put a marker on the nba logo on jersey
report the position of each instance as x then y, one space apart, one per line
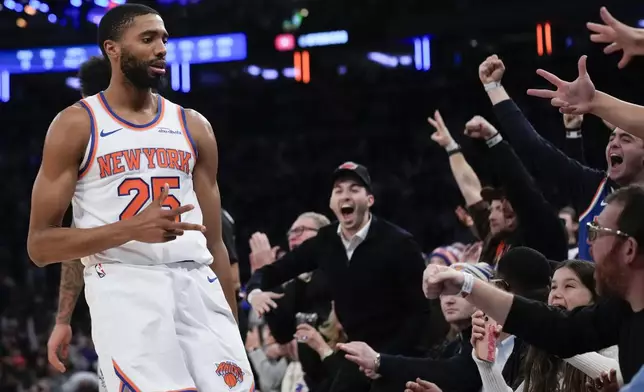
99 270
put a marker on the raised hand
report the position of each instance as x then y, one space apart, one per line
156 224
439 279
573 121
441 136
480 128
261 253
618 36
491 70
574 97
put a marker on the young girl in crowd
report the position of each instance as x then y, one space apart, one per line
573 285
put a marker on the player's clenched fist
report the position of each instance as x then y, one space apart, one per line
441 280
156 224
491 70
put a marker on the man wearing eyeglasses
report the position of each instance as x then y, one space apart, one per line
374 269
308 293
617 246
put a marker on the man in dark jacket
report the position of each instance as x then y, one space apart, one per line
375 268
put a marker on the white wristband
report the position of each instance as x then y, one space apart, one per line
451 146
491 86
573 134
494 140
468 284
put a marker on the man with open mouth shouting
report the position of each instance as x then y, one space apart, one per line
373 268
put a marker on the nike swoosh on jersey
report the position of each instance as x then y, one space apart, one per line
103 133
603 203
212 280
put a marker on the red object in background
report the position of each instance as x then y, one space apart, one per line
284 42
111 5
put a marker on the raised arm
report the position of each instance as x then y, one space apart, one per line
558 332
538 221
577 181
580 96
466 179
207 191
52 193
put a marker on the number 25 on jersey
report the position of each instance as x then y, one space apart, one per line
144 192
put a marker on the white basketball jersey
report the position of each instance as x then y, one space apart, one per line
125 167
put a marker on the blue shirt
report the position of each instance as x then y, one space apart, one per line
595 208
636 384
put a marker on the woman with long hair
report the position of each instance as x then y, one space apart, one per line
573 285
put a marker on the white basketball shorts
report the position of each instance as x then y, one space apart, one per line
164 328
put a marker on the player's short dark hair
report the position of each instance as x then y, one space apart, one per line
116 20
94 75
630 219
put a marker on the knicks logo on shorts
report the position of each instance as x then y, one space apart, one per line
230 372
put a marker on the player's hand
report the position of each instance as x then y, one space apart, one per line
441 280
606 382
157 224
421 386
619 37
573 121
441 136
361 354
263 301
491 70
58 346
480 128
478 328
573 97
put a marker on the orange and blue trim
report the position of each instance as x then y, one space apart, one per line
186 132
93 140
136 127
127 385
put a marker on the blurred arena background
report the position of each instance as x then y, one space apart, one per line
292 88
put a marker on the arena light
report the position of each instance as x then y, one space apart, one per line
383 59
544 39
5 92
185 77
422 53
328 38
284 42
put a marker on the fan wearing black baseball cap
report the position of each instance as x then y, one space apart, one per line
375 270
351 199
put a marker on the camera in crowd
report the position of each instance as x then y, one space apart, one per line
307 318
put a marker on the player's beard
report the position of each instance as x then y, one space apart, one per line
610 275
137 72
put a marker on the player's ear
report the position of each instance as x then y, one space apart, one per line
112 49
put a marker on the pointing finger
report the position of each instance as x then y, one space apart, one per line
550 77
164 194
541 93
181 209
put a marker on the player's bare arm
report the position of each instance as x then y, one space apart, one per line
52 193
207 190
71 285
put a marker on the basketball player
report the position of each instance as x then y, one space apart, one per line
141 172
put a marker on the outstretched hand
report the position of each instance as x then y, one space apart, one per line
618 36
574 97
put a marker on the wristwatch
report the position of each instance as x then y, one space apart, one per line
376 363
468 284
